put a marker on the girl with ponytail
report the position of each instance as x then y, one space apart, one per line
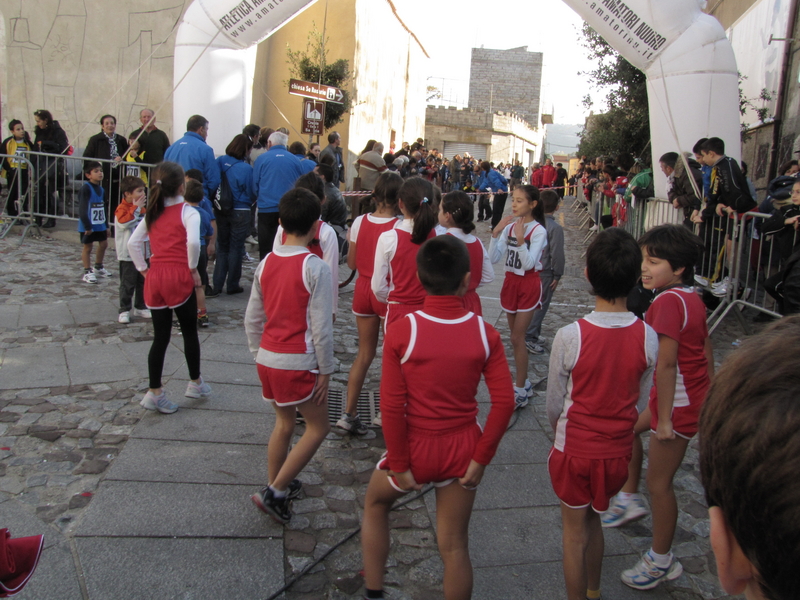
394 278
456 214
173 228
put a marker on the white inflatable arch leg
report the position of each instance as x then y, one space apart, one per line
219 84
692 80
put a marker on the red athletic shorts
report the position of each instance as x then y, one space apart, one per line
684 418
167 285
438 456
395 312
579 482
521 293
284 387
473 303
365 304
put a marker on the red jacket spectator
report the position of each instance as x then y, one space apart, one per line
548 174
536 177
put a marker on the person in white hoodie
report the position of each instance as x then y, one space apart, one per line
127 216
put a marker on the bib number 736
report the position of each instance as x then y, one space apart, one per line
513 260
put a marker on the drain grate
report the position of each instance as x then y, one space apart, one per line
368 405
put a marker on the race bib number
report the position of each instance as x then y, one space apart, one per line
513 261
133 170
97 214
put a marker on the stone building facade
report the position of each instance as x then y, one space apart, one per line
506 80
496 136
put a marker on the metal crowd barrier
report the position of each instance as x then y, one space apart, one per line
54 181
748 262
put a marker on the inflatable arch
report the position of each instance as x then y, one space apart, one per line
692 80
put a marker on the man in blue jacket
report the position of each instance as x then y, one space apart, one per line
192 152
274 174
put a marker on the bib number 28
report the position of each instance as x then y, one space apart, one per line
98 215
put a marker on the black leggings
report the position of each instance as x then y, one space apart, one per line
162 331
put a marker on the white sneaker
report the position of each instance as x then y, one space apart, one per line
621 512
102 272
646 574
719 284
377 421
251 240
198 390
159 403
700 280
124 317
594 228
89 277
247 257
142 312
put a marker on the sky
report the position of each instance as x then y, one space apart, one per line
449 31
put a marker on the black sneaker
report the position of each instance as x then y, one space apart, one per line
202 321
276 508
211 292
295 487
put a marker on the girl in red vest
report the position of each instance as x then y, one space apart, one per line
394 277
456 213
518 240
173 228
364 234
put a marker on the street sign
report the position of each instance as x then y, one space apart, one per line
313 116
316 91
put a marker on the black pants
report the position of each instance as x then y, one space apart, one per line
267 228
131 287
162 331
498 206
484 207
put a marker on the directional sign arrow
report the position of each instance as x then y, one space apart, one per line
339 95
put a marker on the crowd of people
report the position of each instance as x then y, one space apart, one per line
614 375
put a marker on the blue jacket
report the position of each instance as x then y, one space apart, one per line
192 152
307 164
274 174
493 180
240 179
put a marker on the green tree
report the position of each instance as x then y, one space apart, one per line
624 126
312 64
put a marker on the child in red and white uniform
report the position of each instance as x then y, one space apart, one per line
363 236
456 213
601 367
431 429
519 240
394 275
290 333
683 376
173 228
325 242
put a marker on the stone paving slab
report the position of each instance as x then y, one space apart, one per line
155 509
139 569
224 372
190 462
530 487
55 576
521 447
224 397
234 352
90 310
9 316
206 426
95 364
56 313
525 535
18 371
545 581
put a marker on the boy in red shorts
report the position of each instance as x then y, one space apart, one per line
433 360
601 367
290 333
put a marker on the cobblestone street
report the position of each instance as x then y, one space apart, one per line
118 491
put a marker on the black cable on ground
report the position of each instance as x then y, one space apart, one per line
341 542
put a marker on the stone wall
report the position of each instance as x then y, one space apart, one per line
506 80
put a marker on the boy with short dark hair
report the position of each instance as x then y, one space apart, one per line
211 244
749 460
433 360
92 221
290 333
127 216
601 368
553 262
194 197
